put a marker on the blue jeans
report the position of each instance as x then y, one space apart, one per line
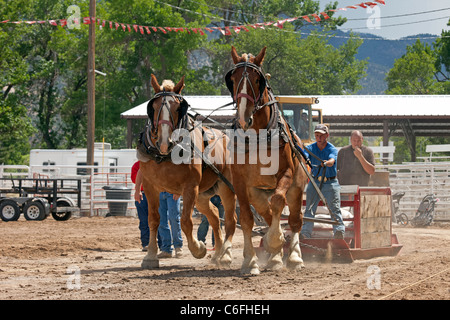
204 225
169 211
142 211
331 192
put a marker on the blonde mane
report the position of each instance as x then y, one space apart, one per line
167 85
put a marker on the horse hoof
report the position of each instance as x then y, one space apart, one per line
150 264
225 257
295 265
275 262
295 262
250 271
274 265
251 268
199 251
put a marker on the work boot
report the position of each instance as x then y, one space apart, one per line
164 254
178 252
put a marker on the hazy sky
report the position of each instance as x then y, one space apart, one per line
432 22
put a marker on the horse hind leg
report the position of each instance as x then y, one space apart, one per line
197 248
205 206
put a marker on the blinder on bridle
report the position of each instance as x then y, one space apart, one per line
262 81
182 111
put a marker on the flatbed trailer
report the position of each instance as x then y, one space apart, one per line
36 198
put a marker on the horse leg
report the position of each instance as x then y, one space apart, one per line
150 260
197 248
260 200
211 212
295 199
229 203
249 265
274 238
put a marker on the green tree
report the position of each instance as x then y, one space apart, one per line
423 69
414 72
15 123
442 65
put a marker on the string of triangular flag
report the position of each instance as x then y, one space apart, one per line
224 30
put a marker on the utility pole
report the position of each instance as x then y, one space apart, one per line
91 87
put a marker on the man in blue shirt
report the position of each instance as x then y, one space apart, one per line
330 187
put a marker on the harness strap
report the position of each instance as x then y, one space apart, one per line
169 123
249 97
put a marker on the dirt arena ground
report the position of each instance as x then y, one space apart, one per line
99 258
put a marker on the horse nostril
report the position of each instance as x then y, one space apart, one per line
250 122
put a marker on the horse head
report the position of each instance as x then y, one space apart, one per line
247 85
165 111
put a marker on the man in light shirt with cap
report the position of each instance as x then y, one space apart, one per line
330 188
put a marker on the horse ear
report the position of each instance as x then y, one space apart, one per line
155 84
234 55
180 85
260 57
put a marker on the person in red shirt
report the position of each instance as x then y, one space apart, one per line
141 205
169 211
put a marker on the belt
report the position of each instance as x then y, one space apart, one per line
325 179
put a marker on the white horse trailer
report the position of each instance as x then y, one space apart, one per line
70 162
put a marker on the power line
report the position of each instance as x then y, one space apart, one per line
403 15
225 10
399 24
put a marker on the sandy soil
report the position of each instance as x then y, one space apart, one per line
100 258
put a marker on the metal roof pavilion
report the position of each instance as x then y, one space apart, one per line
420 115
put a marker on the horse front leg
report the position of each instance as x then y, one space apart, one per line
295 199
274 238
197 248
260 200
151 260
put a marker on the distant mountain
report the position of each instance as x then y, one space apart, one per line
381 54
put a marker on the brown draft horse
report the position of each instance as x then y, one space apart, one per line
192 179
267 193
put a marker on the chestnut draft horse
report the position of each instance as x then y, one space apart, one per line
171 135
269 191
